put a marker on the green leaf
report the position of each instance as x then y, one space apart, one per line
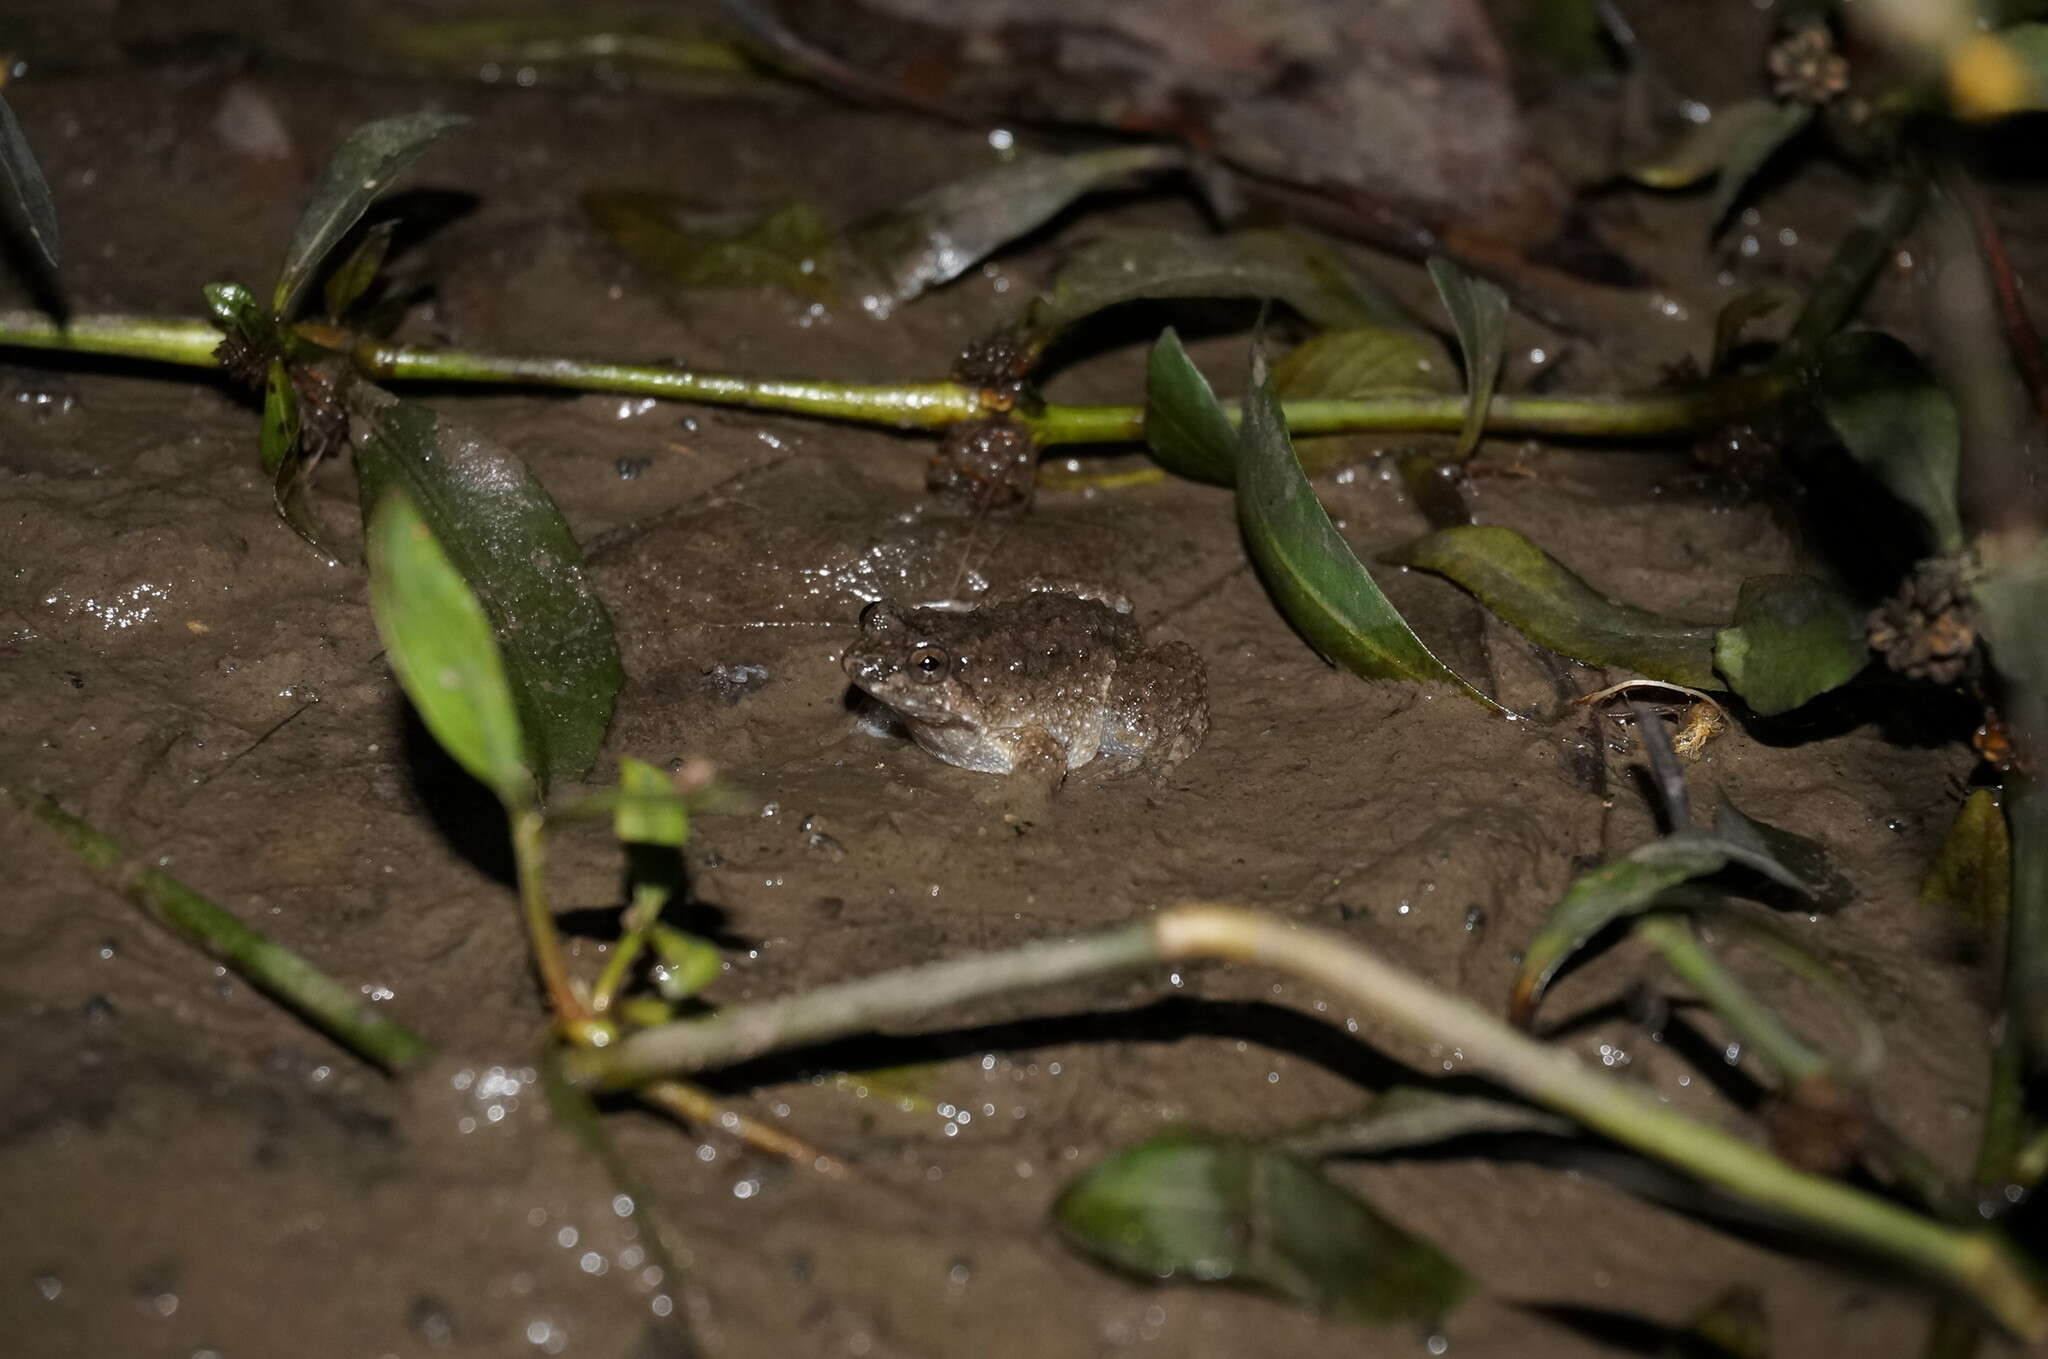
1971 877
1215 1211
688 964
1479 313
440 645
1735 144
1185 426
515 551
28 193
946 231
1363 362
685 247
650 811
1416 1116
1894 420
1321 586
1126 265
233 308
356 273
360 168
1793 639
280 417
1553 607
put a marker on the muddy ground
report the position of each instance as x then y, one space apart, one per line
185 1169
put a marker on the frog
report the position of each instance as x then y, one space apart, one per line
1033 684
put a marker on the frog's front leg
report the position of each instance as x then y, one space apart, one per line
1038 766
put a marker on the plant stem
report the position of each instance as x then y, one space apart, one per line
335 1009
1753 1022
187 341
1976 1263
529 857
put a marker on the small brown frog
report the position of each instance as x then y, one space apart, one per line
1035 683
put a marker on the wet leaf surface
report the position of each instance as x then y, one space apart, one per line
1553 607
441 648
1307 273
1366 361
1417 1116
1734 144
514 550
1898 423
28 192
1321 586
1970 880
946 231
1185 426
1214 1211
1479 314
360 169
680 246
1793 639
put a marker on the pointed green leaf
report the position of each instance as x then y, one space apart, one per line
1892 417
1215 1211
516 553
353 277
1971 877
1307 273
941 234
1793 638
1185 426
1320 584
1553 607
650 811
440 646
1479 313
360 168
1362 362
28 193
684 247
1411 1116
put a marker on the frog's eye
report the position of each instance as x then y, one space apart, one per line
930 663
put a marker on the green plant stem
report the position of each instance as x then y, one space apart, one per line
335 1009
1978 1264
186 341
529 858
1753 1022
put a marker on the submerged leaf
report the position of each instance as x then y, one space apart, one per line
1898 423
516 553
1734 144
1479 312
790 248
1971 877
1210 1210
1417 1116
1308 274
441 648
1553 607
1185 426
1793 639
1321 586
941 234
1362 362
360 168
28 193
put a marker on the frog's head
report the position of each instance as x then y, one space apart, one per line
898 662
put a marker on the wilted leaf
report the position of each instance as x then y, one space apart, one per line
790 248
1306 273
360 168
1734 144
513 548
1971 877
1894 420
1415 1116
1793 638
1366 361
355 274
1185 426
441 648
28 193
1479 313
1321 586
1552 606
941 234
1208 1211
